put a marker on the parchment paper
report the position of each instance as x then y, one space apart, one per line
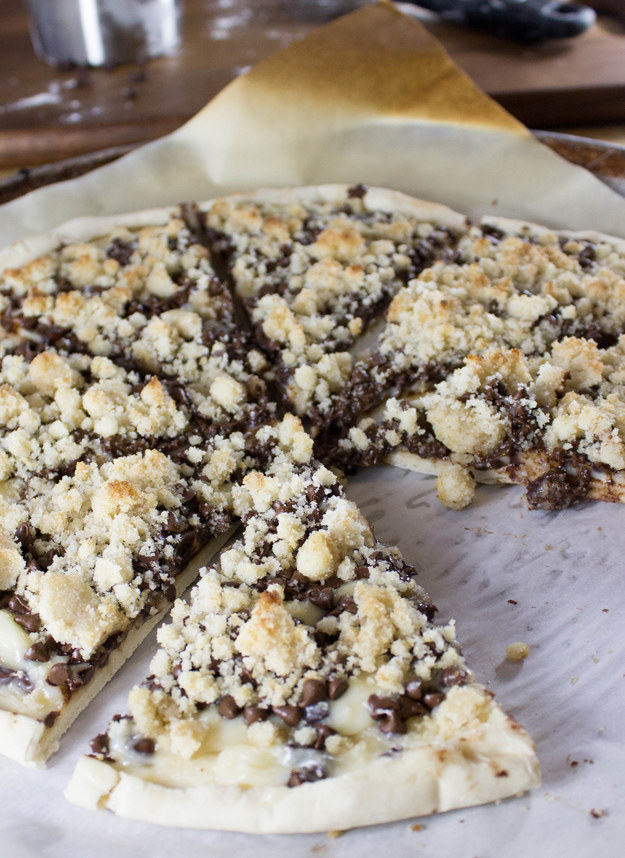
372 98
564 572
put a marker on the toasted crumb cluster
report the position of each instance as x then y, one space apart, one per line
313 275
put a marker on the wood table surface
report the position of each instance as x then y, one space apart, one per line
47 113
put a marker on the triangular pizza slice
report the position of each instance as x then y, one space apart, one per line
305 686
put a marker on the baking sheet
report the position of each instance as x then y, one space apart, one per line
562 569
371 99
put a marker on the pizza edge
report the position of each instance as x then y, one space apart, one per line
476 766
79 229
376 199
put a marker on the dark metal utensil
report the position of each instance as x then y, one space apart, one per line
522 20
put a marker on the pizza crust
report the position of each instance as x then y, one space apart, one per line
492 762
376 199
79 229
603 488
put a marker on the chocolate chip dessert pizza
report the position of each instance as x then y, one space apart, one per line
168 376
305 685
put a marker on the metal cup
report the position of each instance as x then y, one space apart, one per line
104 32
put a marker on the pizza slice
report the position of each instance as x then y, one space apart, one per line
315 267
305 685
117 461
505 366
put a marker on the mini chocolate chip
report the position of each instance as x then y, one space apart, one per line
7 675
357 191
361 572
313 690
30 622
380 706
25 683
299 580
58 675
323 731
291 715
316 712
18 605
113 641
295 779
37 652
453 676
174 524
433 698
414 688
347 603
314 493
169 591
279 506
144 746
100 745
50 718
337 688
254 713
247 677
228 707
321 597
428 609
25 533
85 673
409 708
322 639
307 774
392 723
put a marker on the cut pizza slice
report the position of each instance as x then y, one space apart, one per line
315 266
117 461
506 366
91 561
305 686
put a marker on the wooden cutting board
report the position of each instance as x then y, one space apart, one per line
47 114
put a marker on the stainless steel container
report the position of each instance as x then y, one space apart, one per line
104 32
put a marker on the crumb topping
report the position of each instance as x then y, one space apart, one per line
313 276
510 350
273 640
